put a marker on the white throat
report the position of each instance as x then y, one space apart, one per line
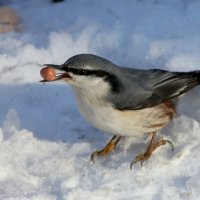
93 105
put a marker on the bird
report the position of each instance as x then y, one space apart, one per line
124 101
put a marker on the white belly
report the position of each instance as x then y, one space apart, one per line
130 123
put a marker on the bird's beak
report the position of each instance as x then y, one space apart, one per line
60 72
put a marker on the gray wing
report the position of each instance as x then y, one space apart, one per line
147 88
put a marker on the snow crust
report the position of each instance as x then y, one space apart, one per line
45 144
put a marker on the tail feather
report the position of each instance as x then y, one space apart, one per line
171 84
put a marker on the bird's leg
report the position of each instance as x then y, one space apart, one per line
107 149
153 145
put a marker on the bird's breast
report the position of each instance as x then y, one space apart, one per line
131 123
95 110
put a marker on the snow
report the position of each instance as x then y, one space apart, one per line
45 144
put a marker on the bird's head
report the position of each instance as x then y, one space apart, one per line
89 72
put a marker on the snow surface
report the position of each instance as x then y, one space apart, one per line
45 144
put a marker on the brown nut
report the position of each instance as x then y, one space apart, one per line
48 73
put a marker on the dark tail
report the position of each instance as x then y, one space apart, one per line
172 84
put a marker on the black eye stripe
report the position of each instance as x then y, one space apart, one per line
115 83
87 72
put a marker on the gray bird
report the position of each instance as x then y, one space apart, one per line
124 101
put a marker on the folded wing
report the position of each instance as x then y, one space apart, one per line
152 87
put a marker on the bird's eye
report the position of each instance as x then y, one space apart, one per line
79 72
82 72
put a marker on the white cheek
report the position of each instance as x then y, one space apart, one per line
90 82
79 79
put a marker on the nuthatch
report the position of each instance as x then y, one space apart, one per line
125 101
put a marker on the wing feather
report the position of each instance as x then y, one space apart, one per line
152 87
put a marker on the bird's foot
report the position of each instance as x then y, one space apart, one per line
107 149
151 147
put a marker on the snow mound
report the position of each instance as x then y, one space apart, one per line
45 144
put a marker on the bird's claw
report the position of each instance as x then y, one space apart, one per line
97 154
170 143
152 146
140 158
107 149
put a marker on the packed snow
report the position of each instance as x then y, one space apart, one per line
45 144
